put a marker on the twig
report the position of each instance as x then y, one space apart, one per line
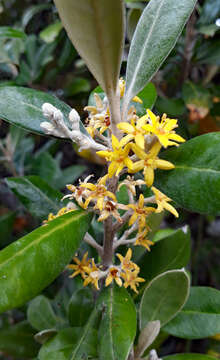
124 239
89 240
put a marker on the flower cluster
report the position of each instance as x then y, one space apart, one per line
125 274
64 210
134 150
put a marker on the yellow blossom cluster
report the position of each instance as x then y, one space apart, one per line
125 274
64 210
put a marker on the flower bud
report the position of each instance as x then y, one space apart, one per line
47 127
48 110
74 119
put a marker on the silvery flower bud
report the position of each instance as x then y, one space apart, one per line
47 127
48 110
74 119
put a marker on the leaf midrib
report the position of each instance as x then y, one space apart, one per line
40 238
191 168
196 312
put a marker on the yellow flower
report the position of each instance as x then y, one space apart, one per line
118 157
142 241
131 279
64 210
111 208
162 202
78 192
98 121
93 276
122 91
163 129
126 263
80 266
98 193
134 130
149 162
130 183
114 274
140 212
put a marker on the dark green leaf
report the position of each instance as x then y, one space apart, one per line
80 307
173 107
118 325
40 314
160 25
195 182
197 95
210 12
133 17
18 341
200 317
23 107
36 195
6 226
176 246
30 264
8 32
209 52
164 297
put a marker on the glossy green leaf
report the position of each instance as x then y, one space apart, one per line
200 317
164 297
96 29
160 25
176 246
23 107
50 33
40 314
80 307
118 325
36 195
31 263
18 341
189 357
195 182
8 32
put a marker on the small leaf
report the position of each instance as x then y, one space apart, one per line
80 307
200 317
18 341
147 337
23 107
50 33
176 246
96 29
118 325
36 195
189 357
40 314
196 162
164 297
159 27
31 263
8 32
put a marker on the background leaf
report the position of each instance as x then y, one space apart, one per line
164 297
200 317
31 263
36 195
118 324
80 307
40 314
195 182
8 32
188 357
160 25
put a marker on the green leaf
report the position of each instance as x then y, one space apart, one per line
23 107
200 317
31 263
133 17
197 95
50 33
18 341
8 32
195 182
148 95
209 52
210 12
36 195
160 25
164 297
118 325
6 226
96 29
80 307
173 107
40 314
189 357
32 11
176 246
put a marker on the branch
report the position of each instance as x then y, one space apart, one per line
89 240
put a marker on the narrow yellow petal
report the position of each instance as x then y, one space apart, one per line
171 209
115 142
149 175
163 164
137 99
108 280
139 140
126 127
139 152
126 139
112 169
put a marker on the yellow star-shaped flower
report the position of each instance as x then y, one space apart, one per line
80 266
140 212
131 279
114 274
118 157
134 130
163 129
150 162
162 202
141 240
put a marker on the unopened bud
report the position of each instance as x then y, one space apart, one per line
74 119
48 110
47 127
